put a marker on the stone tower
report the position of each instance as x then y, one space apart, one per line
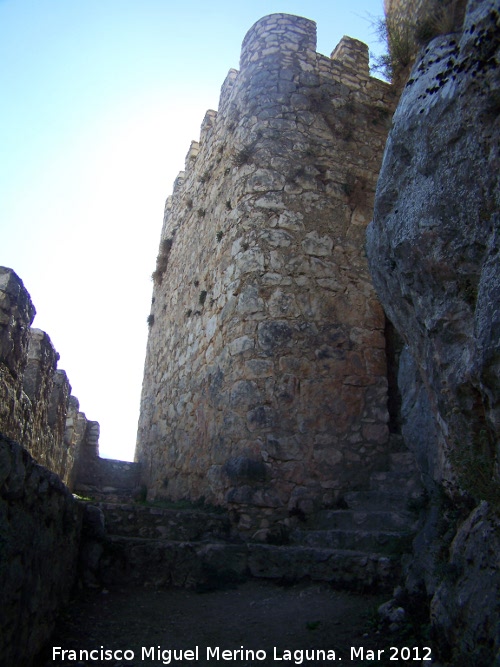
265 377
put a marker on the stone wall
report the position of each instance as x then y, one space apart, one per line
36 405
40 524
16 315
37 409
265 377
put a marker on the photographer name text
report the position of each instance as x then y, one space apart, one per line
166 656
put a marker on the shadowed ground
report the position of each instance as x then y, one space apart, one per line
255 615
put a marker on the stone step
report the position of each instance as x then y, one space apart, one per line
394 482
166 563
377 501
402 462
386 542
134 520
171 563
364 520
107 494
344 568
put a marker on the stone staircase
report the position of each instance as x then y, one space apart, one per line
357 547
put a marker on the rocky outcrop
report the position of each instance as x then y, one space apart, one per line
40 525
464 610
433 251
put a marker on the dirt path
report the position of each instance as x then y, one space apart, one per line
256 616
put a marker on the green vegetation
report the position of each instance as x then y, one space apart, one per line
203 297
405 37
162 260
475 470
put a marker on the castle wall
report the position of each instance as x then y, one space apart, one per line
36 406
265 377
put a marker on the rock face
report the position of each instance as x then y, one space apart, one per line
433 252
40 524
433 243
464 610
265 378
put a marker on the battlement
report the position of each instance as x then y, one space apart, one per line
278 35
353 54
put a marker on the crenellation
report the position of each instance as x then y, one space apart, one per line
207 125
192 154
352 53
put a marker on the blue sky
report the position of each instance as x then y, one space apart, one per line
100 101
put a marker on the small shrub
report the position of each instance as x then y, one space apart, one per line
205 177
203 296
162 260
441 18
404 38
219 236
243 156
400 39
201 212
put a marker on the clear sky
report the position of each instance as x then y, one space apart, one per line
100 100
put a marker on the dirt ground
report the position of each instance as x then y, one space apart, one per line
304 624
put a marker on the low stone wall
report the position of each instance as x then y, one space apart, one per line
106 478
40 525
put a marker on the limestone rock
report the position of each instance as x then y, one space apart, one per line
433 243
464 611
433 250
